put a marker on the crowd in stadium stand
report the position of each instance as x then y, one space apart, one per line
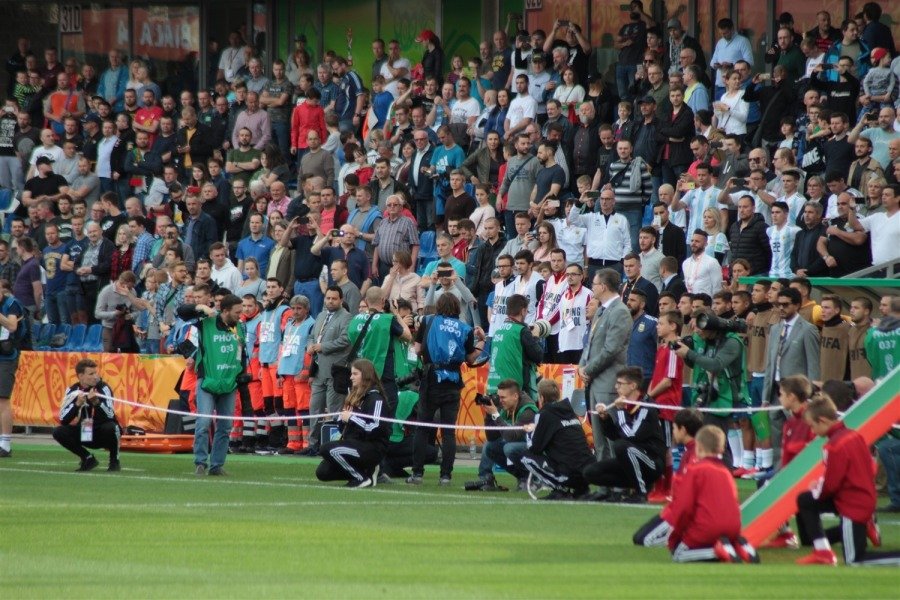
316 193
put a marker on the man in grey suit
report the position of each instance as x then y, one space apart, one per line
330 347
793 349
605 353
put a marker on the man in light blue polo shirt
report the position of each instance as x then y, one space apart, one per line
730 48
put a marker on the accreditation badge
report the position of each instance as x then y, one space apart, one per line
87 430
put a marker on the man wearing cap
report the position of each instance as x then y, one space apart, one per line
537 86
679 40
45 185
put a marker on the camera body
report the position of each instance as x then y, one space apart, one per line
709 322
687 340
706 394
123 308
487 400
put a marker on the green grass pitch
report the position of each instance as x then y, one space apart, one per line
270 530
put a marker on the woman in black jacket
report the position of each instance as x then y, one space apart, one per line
675 133
364 435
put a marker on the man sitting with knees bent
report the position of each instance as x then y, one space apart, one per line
87 420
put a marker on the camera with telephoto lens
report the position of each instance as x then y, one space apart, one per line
487 399
686 340
123 308
706 394
709 322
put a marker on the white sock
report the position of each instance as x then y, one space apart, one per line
749 457
821 544
768 458
759 459
736 442
5 442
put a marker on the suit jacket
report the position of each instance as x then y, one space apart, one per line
201 143
676 286
335 343
673 242
203 235
800 355
606 352
104 260
425 188
650 293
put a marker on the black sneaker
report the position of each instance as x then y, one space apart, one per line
311 451
634 498
361 483
558 495
88 464
114 466
5 453
217 472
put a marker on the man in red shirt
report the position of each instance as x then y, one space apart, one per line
147 117
847 489
704 513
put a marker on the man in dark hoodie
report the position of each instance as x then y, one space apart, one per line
557 449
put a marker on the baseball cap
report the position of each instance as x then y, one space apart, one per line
90 119
426 35
537 57
673 24
647 100
877 54
44 160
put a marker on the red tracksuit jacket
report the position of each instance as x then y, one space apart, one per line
795 436
848 478
687 459
704 506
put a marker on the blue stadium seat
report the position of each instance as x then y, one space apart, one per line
64 330
93 340
75 339
35 332
42 341
427 250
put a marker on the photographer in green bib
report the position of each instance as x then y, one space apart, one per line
385 340
220 362
515 352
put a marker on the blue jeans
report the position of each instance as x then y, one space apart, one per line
311 290
889 452
281 137
221 404
635 215
506 455
57 308
75 298
671 173
624 78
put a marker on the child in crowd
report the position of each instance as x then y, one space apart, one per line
704 513
624 126
685 426
846 488
665 388
880 83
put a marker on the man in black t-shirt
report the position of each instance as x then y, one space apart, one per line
631 43
10 165
46 185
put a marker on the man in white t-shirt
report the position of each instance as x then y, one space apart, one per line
883 228
394 68
224 273
790 181
573 316
522 110
696 195
465 108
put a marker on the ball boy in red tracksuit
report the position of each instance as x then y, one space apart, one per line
847 488
704 513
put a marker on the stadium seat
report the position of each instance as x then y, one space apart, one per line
61 330
35 332
42 341
93 340
427 250
75 339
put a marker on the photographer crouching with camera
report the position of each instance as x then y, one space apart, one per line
88 421
444 342
716 355
220 362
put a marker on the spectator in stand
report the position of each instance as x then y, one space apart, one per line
675 133
702 273
883 228
730 48
113 81
805 258
876 34
748 237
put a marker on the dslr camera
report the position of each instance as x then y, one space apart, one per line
709 322
487 399
687 340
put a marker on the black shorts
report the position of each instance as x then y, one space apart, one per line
7 376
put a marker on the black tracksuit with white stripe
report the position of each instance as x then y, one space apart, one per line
363 442
639 448
106 430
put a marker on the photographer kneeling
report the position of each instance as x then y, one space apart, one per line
504 448
88 421
717 360
444 342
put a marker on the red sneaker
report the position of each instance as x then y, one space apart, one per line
725 552
745 551
786 539
739 472
819 557
873 532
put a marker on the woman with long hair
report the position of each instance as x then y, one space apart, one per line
546 235
254 284
603 99
273 168
456 69
484 210
122 255
739 268
717 247
407 154
297 65
497 116
570 94
364 435
483 165
731 110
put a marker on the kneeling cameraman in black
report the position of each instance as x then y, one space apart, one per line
89 421
557 446
504 448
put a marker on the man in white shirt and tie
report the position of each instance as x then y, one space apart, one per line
702 273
